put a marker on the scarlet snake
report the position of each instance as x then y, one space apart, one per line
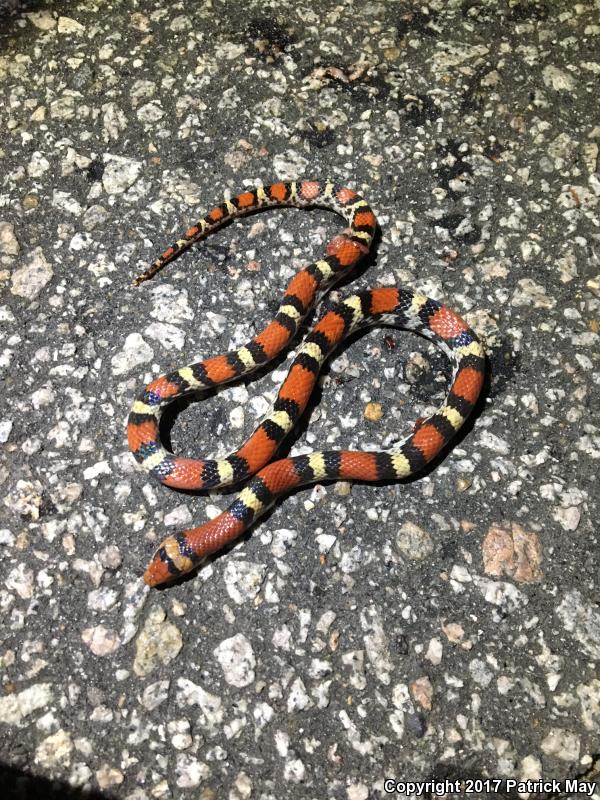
403 308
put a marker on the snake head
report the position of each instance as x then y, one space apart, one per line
157 571
171 559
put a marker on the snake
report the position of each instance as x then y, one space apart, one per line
266 479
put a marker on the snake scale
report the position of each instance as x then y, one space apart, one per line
400 307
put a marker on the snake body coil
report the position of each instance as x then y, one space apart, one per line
403 308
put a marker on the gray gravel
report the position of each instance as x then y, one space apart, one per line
444 628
